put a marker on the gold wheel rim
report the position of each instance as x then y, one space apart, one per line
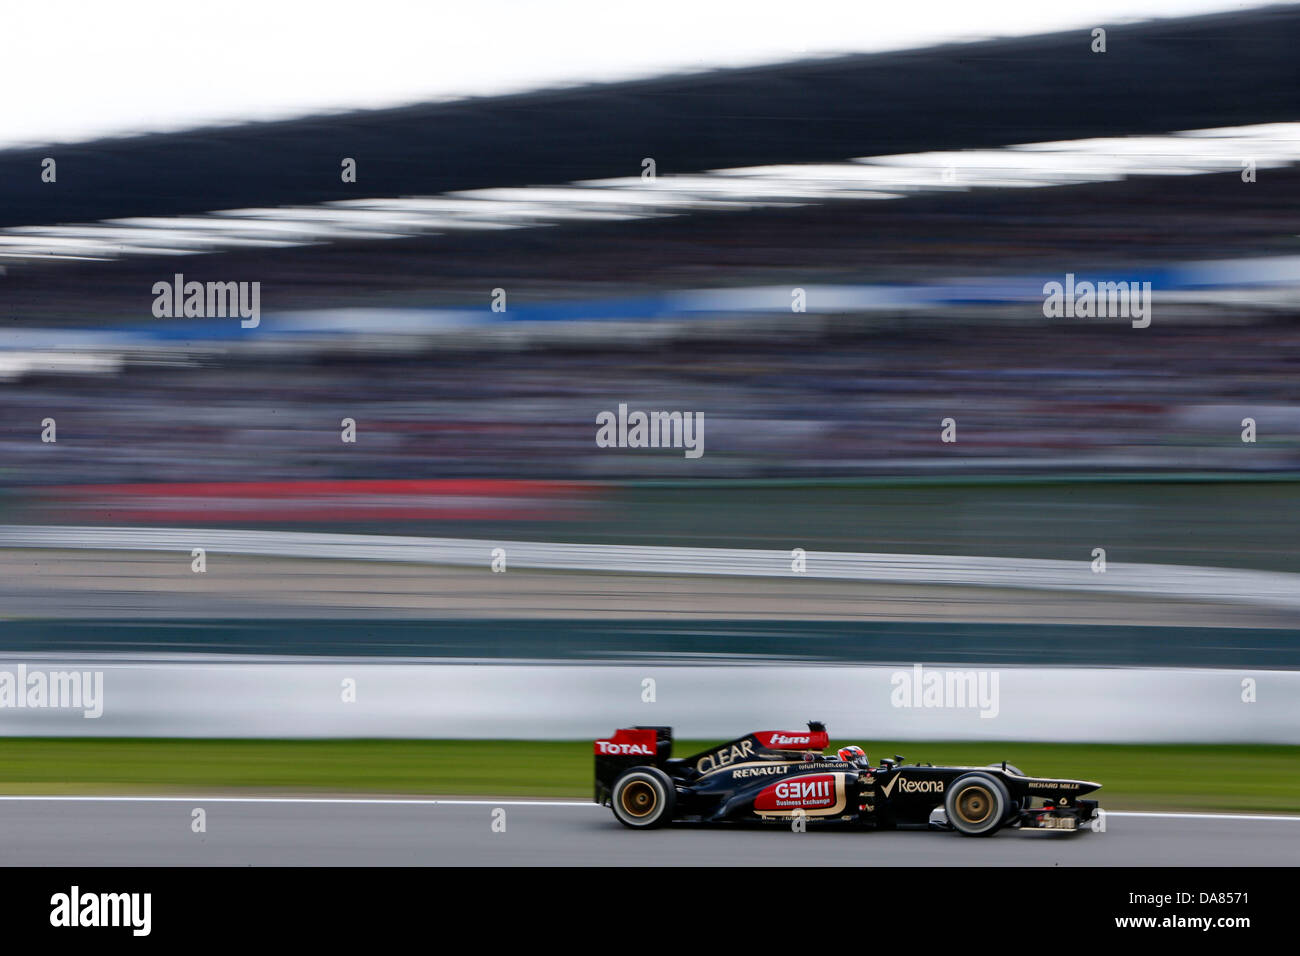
975 804
639 799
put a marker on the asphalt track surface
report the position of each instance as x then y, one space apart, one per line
146 831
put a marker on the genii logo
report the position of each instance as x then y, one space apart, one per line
809 792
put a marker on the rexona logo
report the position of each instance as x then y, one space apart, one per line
782 739
610 747
913 786
808 793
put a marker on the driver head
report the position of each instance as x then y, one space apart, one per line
854 755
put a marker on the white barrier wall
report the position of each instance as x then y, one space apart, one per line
269 698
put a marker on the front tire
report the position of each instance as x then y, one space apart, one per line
644 798
976 804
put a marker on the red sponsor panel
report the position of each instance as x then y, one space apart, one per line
628 743
793 739
814 791
327 501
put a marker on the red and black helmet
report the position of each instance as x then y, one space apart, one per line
855 755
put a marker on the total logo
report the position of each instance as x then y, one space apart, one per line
609 747
912 786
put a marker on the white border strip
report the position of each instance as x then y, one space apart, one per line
414 801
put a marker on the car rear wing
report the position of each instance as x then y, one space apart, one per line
629 747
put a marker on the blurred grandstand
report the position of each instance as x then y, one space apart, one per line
922 269
920 200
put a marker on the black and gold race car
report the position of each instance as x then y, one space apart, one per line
781 776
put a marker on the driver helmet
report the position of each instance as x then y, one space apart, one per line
854 755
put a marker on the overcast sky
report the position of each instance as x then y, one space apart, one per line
75 70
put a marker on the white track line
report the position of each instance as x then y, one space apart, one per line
534 803
1201 816
340 800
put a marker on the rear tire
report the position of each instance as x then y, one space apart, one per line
644 798
976 804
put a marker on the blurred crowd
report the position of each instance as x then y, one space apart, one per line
842 402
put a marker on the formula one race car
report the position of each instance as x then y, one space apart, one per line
775 776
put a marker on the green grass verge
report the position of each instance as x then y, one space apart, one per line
1182 777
